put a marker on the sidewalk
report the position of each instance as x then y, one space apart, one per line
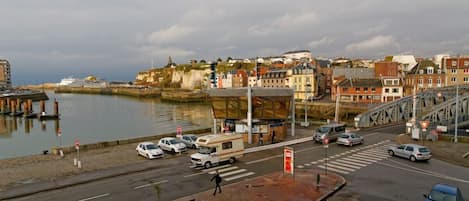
276 186
42 169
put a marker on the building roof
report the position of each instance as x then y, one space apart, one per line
423 65
349 73
361 83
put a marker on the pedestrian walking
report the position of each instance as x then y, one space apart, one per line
217 179
273 137
261 139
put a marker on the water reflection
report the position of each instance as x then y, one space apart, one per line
10 125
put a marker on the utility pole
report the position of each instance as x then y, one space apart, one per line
457 105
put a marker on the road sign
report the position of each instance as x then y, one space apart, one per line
179 131
77 144
288 158
326 142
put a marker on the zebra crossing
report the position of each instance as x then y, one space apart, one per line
227 172
352 160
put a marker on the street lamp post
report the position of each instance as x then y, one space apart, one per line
457 106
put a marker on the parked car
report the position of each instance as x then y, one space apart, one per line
189 140
331 131
149 150
350 139
171 144
443 192
413 152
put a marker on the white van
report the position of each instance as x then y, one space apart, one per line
214 149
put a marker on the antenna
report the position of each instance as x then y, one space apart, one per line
152 63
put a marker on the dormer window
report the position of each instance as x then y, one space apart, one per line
421 71
429 70
438 71
453 63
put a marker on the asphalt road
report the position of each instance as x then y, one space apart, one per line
369 179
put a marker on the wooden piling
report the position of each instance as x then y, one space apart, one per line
26 109
43 107
18 104
27 127
30 105
13 107
2 105
56 107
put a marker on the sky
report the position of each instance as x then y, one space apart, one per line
47 40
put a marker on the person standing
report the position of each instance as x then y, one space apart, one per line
273 137
217 179
261 139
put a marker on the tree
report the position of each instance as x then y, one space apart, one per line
203 61
219 59
228 59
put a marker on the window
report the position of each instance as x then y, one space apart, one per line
430 81
386 90
453 71
395 90
466 63
453 63
466 79
345 89
365 89
429 70
388 82
453 79
373 90
420 81
401 147
226 145
421 71
466 70
396 82
357 89
438 81
409 148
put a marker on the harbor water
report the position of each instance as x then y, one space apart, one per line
95 118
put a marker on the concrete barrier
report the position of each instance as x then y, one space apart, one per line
98 145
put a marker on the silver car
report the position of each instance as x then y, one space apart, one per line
413 152
189 140
350 139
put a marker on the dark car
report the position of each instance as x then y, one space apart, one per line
444 192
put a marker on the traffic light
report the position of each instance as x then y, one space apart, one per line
213 75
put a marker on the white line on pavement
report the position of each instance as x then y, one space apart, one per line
239 176
216 168
369 156
346 165
341 167
362 159
374 155
95 197
150 184
353 163
234 172
224 170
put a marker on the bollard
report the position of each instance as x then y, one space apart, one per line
75 161
79 164
61 153
318 179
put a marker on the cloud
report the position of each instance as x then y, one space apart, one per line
372 30
164 52
320 42
172 34
286 23
376 42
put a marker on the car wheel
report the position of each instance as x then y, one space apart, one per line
391 153
232 160
194 147
138 153
172 150
148 156
207 165
361 142
412 158
351 144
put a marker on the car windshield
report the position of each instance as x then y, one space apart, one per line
344 136
438 195
194 138
151 146
323 129
423 150
173 141
205 150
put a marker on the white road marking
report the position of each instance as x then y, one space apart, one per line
368 156
224 170
314 162
150 184
362 159
357 160
300 166
216 168
239 176
195 174
307 164
95 197
332 169
233 172
353 163
346 165
374 155
340 167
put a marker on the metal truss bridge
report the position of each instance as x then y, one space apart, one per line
438 106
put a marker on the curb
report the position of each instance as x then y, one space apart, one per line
54 185
337 188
